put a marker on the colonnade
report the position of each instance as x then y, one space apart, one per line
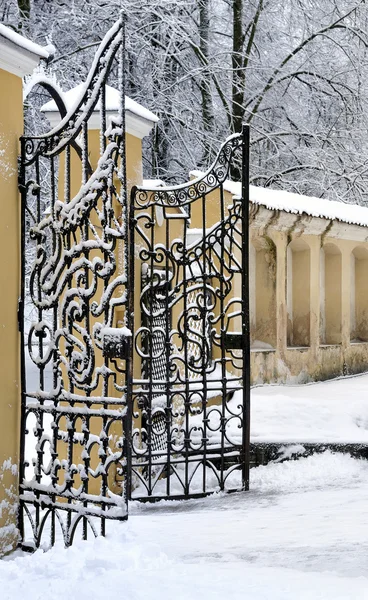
308 306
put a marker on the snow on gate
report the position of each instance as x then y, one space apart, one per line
135 313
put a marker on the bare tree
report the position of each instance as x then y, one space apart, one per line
295 70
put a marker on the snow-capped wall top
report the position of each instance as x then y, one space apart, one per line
151 183
299 204
139 120
72 97
18 55
22 42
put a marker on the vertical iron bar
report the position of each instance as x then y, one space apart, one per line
105 379
128 422
187 396
54 357
169 397
102 118
23 405
245 304
222 338
150 350
107 196
203 344
127 213
85 236
128 254
68 347
41 368
85 162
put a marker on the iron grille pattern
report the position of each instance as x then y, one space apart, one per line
191 386
113 409
157 365
74 280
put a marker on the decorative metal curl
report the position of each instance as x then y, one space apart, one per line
182 195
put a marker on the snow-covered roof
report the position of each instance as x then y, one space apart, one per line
18 55
300 204
139 120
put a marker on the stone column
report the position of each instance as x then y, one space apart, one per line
346 289
280 240
315 296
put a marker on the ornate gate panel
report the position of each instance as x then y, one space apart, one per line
72 315
189 298
135 367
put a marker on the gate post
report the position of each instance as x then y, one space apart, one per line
18 57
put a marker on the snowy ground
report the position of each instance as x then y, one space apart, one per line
330 411
301 533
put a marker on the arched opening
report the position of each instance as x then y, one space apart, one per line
263 294
359 295
331 294
298 293
252 290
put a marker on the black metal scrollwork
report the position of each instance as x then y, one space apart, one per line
134 381
75 281
189 437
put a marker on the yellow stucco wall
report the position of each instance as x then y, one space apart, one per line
324 357
11 127
308 294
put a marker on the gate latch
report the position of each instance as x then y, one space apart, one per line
234 341
116 342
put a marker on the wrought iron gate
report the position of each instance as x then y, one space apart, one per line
73 295
135 371
190 396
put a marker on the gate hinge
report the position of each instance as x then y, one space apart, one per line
20 314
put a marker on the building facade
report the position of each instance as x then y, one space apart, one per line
18 57
308 291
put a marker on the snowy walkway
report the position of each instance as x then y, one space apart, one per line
301 533
332 411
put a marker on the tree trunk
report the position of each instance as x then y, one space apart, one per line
238 73
205 86
24 7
